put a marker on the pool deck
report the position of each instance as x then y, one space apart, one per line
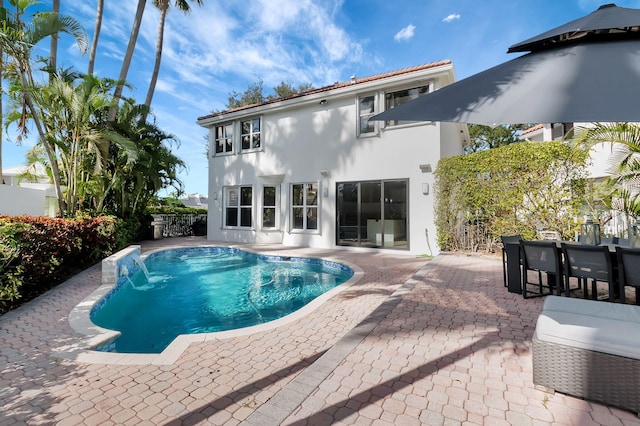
415 341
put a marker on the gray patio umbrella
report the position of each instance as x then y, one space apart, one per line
584 71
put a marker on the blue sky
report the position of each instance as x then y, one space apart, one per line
226 45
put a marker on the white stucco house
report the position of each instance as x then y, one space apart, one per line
310 170
599 166
195 200
27 190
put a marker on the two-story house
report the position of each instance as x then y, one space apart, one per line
311 170
27 190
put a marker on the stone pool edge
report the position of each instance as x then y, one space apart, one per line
79 320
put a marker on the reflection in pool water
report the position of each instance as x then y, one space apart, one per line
203 290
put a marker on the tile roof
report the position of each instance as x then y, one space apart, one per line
338 85
532 129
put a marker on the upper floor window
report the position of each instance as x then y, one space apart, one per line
393 99
224 139
366 110
304 206
250 134
238 206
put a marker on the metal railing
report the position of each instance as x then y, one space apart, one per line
177 225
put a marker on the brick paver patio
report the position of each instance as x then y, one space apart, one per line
415 341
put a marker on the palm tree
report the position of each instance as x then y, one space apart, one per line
163 5
17 40
624 162
126 62
96 35
130 186
71 109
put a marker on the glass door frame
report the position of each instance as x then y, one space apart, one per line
380 235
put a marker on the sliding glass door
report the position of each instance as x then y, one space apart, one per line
372 214
348 219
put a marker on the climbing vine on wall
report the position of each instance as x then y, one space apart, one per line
516 189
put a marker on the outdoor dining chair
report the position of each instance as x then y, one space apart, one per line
588 263
629 270
624 242
541 257
507 239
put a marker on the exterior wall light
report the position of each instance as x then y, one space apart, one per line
426 168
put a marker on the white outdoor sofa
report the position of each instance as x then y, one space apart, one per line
589 349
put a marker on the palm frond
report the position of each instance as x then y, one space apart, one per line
45 24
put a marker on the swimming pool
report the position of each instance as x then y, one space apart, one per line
209 289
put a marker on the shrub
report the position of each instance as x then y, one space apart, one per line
516 189
37 253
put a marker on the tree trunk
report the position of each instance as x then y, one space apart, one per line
126 62
156 68
96 35
51 153
1 106
53 60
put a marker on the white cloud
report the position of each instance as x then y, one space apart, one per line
276 40
451 18
405 34
222 47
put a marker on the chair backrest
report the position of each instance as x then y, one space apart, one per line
507 239
585 261
625 242
541 256
629 265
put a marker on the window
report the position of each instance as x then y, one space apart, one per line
250 134
393 99
227 140
304 206
269 207
224 139
366 110
238 206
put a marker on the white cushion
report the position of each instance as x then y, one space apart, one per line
611 328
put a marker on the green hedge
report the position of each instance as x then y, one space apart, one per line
37 253
516 189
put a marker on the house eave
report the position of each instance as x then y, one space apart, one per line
340 91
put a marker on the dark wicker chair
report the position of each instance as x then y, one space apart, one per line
541 257
628 270
588 263
507 239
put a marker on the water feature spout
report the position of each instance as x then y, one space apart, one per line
143 287
138 261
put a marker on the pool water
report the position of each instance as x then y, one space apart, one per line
203 290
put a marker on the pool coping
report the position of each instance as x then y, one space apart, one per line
95 336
